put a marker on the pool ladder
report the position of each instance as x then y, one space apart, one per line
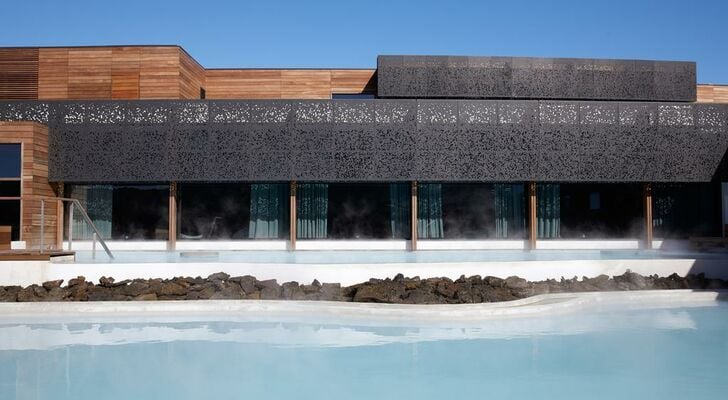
73 204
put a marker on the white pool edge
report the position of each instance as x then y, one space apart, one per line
540 305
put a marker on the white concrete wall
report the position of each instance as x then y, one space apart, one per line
29 272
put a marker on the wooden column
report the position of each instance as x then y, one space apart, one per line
60 191
532 217
413 217
647 198
172 218
292 216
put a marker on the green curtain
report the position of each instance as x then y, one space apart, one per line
399 210
429 211
548 210
268 211
98 202
312 204
510 215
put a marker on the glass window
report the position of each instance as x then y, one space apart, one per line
471 211
684 210
589 211
10 188
353 210
224 211
353 96
10 160
10 216
122 212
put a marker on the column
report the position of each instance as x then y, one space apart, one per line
647 204
172 218
532 217
413 217
292 215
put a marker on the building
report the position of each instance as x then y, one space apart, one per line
421 153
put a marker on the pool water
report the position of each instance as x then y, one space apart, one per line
379 257
662 353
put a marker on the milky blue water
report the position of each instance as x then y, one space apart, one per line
379 257
679 353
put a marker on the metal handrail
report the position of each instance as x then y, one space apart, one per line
74 203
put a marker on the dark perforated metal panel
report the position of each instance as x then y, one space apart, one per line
379 140
534 78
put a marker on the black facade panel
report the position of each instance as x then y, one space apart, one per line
431 77
380 140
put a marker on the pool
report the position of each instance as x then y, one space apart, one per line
382 256
596 346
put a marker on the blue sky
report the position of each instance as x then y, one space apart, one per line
351 34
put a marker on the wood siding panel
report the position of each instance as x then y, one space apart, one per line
18 74
243 84
305 84
159 75
353 81
53 74
89 73
125 69
34 180
712 93
191 78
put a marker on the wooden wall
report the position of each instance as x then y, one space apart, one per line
33 138
712 93
19 74
117 73
287 83
191 77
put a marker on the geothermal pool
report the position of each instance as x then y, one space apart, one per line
653 346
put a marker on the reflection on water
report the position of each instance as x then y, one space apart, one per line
659 353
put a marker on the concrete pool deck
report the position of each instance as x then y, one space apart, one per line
347 312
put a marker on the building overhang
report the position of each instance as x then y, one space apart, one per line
379 140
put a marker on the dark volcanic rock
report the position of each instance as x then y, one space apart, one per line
106 282
399 289
218 276
48 285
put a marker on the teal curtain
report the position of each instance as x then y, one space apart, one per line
548 210
312 204
510 215
98 202
429 211
399 210
268 211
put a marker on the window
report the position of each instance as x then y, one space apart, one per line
471 211
122 212
232 211
202 93
353 96
684 210
589 211
9 160
353 210
10 187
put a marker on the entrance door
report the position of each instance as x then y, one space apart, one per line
10 173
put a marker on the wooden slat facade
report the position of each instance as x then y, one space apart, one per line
33 138
287 83
52 74
191 77
712 93
19 74
125 72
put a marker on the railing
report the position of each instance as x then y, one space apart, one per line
73 204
